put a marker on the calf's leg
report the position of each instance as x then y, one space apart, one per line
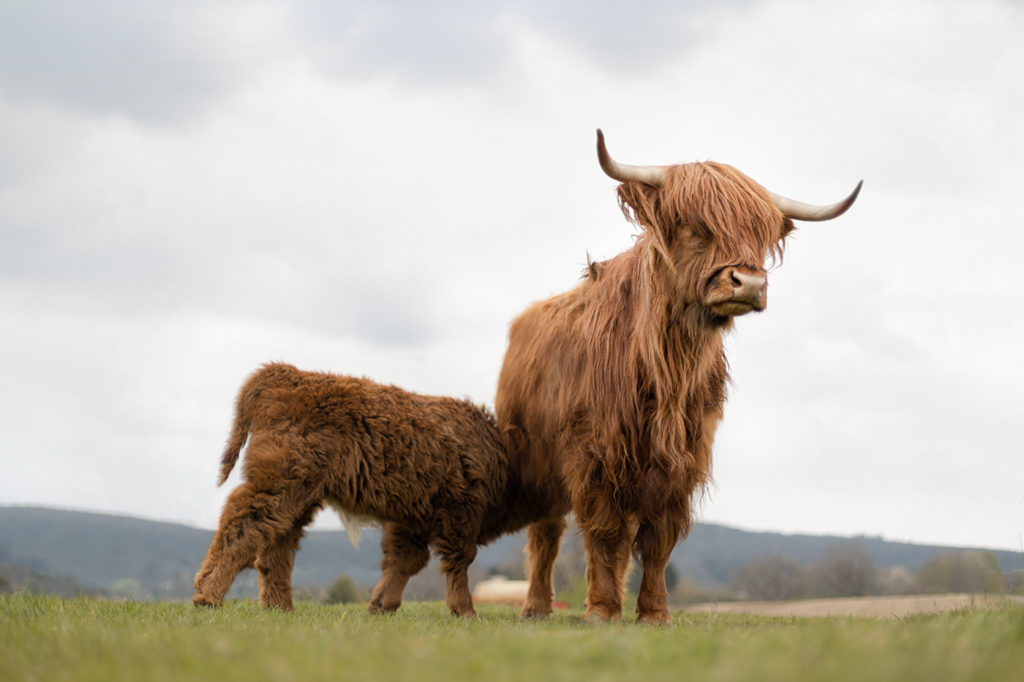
274 565
254 521
239 538
405 555
456 555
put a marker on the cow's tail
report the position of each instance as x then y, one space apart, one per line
267 376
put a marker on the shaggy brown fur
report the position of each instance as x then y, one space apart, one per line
610 393
432 469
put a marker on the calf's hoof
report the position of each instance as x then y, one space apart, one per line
198 600
379 606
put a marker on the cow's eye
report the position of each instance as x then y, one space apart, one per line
703 239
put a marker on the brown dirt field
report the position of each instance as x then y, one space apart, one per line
864 607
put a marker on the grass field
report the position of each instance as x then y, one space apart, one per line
52 639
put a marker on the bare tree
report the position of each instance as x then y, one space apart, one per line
962 572
427 585
774 577
688 591
846 570
897 580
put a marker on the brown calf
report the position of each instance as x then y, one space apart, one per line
432 469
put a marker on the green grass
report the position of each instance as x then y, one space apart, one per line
82 639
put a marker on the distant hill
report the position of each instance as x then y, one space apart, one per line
156 560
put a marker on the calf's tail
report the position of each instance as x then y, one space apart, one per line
267 376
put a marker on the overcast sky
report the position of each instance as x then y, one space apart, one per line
190 189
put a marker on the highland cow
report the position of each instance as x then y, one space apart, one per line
431 469
610 394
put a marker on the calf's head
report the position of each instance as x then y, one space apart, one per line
714 230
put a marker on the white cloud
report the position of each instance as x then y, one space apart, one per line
159 62
385 207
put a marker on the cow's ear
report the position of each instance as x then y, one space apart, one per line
639 203
787 228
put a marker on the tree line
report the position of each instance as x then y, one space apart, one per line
849 570
845 569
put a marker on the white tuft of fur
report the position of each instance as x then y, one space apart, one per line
353 522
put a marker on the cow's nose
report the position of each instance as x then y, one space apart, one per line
748 287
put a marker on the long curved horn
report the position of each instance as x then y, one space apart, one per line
651 175
801 211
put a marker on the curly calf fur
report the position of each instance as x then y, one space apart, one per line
431 469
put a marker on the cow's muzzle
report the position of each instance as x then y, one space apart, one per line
736 291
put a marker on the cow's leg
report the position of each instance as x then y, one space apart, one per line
607 545
455 563
654 542
274 565
542 542
405 555
239 538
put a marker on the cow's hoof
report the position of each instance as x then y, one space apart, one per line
662 618
597 616
532 613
